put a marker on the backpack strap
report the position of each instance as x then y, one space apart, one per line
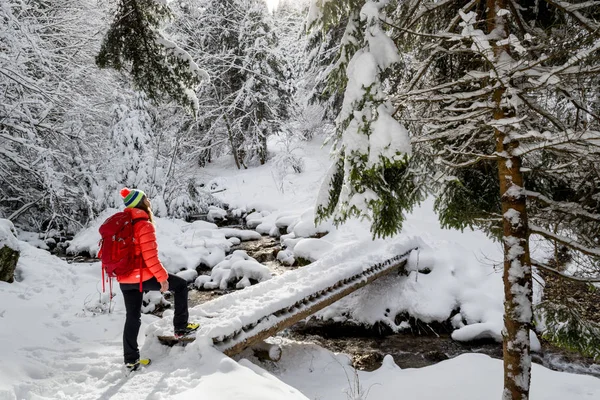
133 222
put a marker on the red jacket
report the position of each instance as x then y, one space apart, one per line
145 244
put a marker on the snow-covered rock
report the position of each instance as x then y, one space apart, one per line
9 251
189 275
237 268
244 270
201 280
243 235
306 227
216 214
286 257
152 300
312 249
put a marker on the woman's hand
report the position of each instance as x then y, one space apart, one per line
164 286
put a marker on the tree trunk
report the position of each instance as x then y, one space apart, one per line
517 267
234 147
263 149
518 311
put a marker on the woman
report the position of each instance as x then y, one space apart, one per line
153 277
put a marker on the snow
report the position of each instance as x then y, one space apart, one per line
312 249
466 377
7 235
237 266
58 341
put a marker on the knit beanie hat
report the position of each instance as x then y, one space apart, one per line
132 197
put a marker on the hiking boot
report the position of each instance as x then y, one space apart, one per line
191 327
136 365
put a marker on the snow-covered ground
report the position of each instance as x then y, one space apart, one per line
57 341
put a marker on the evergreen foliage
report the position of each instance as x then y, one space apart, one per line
372 149
563 325
470 199
157 65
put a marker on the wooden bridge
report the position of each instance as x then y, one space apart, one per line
233 327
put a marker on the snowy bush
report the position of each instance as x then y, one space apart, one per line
564 325
285 163
98 304
189 200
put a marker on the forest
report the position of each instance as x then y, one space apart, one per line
491 108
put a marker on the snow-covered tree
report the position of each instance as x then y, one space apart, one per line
52 107
158 66
499 93
249 94
501 101
132 159
371 176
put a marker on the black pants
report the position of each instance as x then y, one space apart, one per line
133 306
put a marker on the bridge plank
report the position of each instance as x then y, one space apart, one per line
302 313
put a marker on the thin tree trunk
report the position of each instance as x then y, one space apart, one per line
517 276
234 147
517 269
263 149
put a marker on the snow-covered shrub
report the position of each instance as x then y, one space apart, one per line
100 304
287 161
185 203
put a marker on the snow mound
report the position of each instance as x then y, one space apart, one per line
312 249
238 268
8 235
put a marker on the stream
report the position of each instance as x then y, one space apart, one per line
367 346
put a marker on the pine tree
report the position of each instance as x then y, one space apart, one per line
497 91
500 97
157 65
371 177
131 154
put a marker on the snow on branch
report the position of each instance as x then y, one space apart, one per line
565 207
432 6
589 138
572 243
545 267
573 10
572 61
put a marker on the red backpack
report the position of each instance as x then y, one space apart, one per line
117 249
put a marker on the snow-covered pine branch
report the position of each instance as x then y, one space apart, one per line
371 176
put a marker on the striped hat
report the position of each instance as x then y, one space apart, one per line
132 197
